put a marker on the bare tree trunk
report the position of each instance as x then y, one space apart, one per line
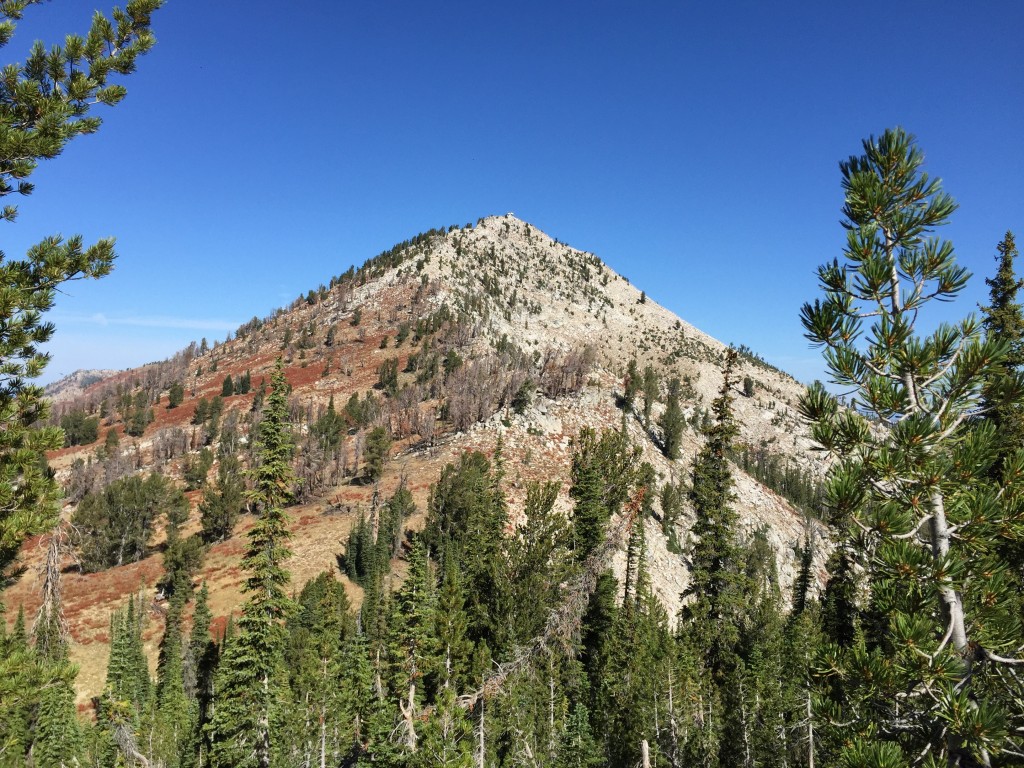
481 751
810 731
645 754
409 718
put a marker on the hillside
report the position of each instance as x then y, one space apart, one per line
459 339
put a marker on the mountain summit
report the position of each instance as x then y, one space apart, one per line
493 338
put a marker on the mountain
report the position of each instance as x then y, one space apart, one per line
460 339
73 385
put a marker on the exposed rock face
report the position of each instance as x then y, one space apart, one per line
501 304
74 384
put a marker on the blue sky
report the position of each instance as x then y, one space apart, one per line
264 147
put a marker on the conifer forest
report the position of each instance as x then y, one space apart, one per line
474 617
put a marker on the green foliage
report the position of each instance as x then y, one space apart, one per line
367 557
227 388
244 727
631 385
112 527
376 452
650 387
223 503
673 421
712 618
930 514
137 415
1004 321
196 468
523 397
45 103
79 428
361 413
779 472
604 470
387 376
175 395
466 519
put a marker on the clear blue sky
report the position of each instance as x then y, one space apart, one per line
265 147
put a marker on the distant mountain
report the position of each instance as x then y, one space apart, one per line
74 384
458 339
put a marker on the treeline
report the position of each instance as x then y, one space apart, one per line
493 649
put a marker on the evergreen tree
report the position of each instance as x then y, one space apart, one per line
175 395
199 667
451 626
412 644
929 677
316 730
604 471
1004 321
113 527
378 446
630 385
538 561
577 748
58 733
123 711
711 621
447 735
650 388
222 504
715 570
466 519
45 104
243 727
176 714
673 421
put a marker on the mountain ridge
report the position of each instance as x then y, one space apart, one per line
485 309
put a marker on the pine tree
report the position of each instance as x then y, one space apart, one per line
44 105
630 385
538 561
249 692
715 570
466 519
315 716
412 645
124 709
58 734
1004 321
605 469
711 622
176 715
673 421
447 735
199 667
918 493
650 389
222 504
175 395
577 748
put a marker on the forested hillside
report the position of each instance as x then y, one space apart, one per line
481 502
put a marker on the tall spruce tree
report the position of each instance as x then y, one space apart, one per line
930 679
715 588
243 728
1004 320
711 620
